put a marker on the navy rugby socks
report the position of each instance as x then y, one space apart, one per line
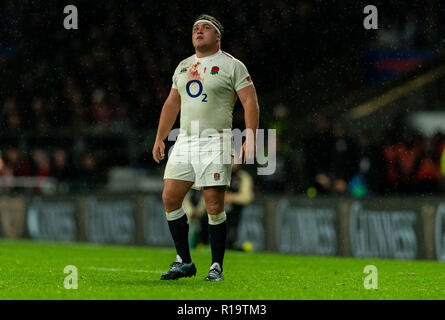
217 240
179 229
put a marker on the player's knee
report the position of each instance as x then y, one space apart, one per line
214 207
171 202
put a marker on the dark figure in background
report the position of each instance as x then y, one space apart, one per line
40 167
61 169
318 154
343 160
426 171
400 159
239 194
89 175
281 181
15 164
368 179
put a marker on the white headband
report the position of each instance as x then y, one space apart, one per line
209 22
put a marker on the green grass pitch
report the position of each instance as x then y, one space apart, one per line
34 270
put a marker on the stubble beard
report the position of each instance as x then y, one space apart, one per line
205 48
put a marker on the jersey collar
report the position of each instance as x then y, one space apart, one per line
208 57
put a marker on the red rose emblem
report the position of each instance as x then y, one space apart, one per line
214 70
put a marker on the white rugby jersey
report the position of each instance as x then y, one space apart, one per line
208 87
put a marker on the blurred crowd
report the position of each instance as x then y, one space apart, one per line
334 161
410 27
114 73
403 162
42 164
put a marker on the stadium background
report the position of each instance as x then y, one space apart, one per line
358 113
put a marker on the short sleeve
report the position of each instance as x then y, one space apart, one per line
241 77
174 85
175 78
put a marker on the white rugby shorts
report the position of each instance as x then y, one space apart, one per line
206 161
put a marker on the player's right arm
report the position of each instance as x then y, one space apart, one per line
169 113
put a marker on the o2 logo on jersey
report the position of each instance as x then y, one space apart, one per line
195 93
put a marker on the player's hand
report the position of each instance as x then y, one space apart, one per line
247 153
159 151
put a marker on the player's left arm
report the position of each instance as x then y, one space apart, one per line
249 100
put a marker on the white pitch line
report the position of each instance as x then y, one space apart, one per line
123 270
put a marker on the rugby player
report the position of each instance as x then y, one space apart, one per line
205 88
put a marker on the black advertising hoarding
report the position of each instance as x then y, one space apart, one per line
52 219
154 222
385 228
307 227
252 227
110 219
390 229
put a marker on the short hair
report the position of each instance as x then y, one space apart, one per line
213 20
